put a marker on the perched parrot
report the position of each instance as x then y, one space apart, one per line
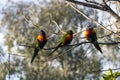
39 44
91 36
65 39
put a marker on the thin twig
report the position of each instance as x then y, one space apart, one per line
103 7
9 65
26 45
105 35
114 0
53 21
63 53
87 4
19 55
35 25
104 70
77 44
93 2
59 55
93 20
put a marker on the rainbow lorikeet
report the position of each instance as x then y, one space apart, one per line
90 35
65 39
39 43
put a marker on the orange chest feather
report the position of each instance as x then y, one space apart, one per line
41 38
88 33
67 40
69 37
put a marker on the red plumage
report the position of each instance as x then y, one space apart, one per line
90 35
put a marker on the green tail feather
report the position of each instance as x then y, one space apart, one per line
35 54
97 46
54 49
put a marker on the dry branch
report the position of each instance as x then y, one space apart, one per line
95 6
93 20
77 44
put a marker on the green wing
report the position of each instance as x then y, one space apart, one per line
62 39
36 50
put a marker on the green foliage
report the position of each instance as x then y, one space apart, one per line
110 75
3 71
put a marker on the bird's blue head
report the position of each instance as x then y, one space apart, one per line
42 32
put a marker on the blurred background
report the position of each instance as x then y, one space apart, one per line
84 62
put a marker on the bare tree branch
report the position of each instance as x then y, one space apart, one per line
87 4
109 10
93 20
52 58
114 0
94 2
78 44
35 25
53 21
102 7
104 70
70 48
